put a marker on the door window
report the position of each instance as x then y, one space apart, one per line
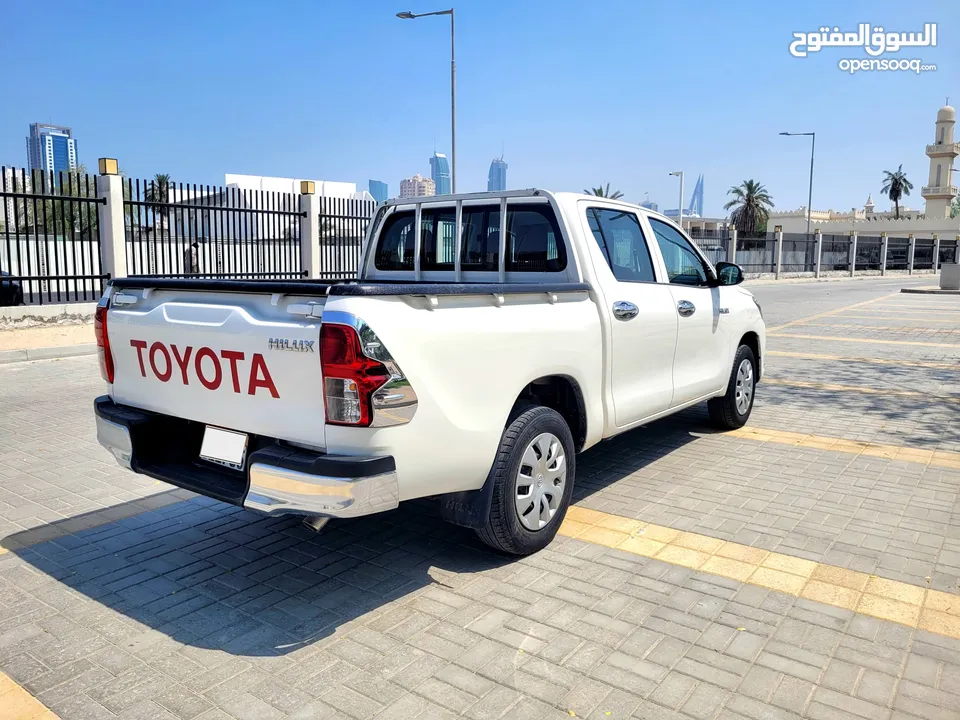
620 238
684 266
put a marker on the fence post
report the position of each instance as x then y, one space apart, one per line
883 253
778 234
936 253
309 229
113 236
819 250
956 251
910 250
732 246
853 252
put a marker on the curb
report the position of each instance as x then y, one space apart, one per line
836 278
13 356
929 291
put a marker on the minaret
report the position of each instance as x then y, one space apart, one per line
941 188
868 205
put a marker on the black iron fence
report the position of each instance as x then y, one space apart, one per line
949 252
177 230
343 225
869 252
49 237
898 253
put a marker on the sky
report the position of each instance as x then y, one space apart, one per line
575 94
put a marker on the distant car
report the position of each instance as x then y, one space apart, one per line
11 292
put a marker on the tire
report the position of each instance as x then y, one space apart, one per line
729 412
506 530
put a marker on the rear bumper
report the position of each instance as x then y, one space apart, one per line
278 479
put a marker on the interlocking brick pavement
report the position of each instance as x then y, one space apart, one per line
130 602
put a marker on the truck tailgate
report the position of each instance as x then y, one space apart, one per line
243 361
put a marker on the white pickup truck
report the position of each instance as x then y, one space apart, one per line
488 339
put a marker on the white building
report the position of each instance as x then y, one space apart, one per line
325 188
938 194
417 186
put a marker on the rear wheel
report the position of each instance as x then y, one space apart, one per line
732 410
532 479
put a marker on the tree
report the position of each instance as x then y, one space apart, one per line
895 186
955 207
604 192
751 203
158 194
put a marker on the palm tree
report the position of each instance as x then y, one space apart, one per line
159 193
752 205
604 192
895 186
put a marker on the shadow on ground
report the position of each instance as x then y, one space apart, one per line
214 576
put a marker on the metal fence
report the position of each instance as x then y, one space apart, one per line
713 244
757 252
898 253
49 237
343 225
178 230
869 250
949 252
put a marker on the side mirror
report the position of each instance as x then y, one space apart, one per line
729 274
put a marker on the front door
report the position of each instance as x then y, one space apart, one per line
643 324
701 366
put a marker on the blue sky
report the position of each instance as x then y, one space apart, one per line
577 94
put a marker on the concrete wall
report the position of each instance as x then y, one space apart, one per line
24 316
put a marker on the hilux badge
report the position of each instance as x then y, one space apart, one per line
290 344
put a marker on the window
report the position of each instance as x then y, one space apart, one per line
395 244
620 238
534 243
684 266
481 238
938 175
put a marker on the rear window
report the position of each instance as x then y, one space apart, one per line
534 243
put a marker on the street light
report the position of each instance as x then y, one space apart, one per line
407 15
813 144
679 174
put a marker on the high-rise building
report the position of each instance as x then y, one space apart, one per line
440 173
379 190
51 148
417 186
649 205
497 177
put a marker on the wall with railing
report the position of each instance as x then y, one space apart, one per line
62 237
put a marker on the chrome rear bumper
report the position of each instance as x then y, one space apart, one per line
279 480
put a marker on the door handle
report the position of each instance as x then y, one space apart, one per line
625 310
686 308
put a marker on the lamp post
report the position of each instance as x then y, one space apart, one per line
679 174
813 145
453 89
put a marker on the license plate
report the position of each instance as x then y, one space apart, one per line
224 447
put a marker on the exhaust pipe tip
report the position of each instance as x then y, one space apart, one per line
315 523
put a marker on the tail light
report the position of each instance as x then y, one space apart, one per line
349 377
360 377
103 340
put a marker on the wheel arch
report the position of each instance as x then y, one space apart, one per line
561 393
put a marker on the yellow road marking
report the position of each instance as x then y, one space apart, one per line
17 704
826 314
917 307
878 316
936 458
932 610
891 328
876 361
865 340
832 387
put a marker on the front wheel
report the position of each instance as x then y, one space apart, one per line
732 410
532 479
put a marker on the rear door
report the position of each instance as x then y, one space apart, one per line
702 360
643 324
245 362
